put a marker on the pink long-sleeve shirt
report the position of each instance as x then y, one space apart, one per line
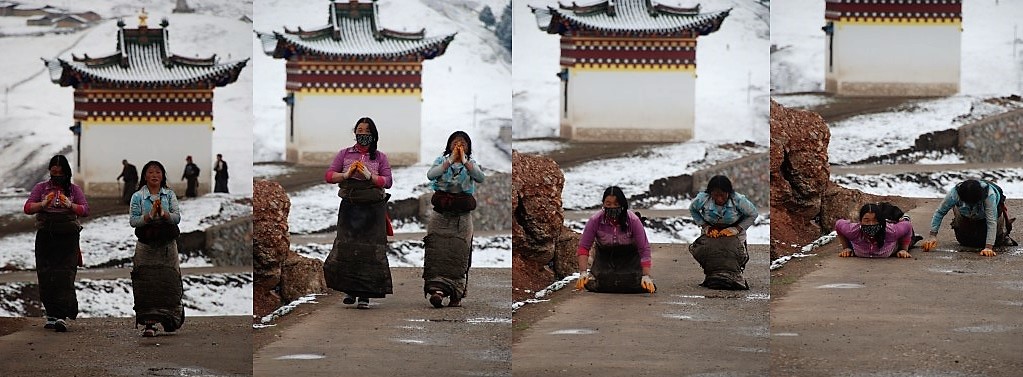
44 188
900 233
604 232
346 157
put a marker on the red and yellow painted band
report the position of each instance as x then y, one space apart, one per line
634 67
655 42
200 94
900 21
152 120
357 67
360 91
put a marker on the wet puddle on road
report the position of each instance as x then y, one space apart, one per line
985 329
300 356
573 332
409 341
841 286
473 321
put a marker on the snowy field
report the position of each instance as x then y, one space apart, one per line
585 183
731 92
684 231
931 185
205 295
475 69
37 114
487 252
111 239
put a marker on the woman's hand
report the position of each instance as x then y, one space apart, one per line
930 244
364 171
580 283
727 232
904 254
846 253
648 284
987 252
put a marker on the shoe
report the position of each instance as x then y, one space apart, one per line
437 299
363 303
50 322
455 302
60 325
348 300
149 332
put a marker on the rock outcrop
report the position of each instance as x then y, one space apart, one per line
537 225
280 275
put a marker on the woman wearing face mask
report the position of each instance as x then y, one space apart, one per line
874 236
57 204
357 264
723 216
448 239
156 274
621 258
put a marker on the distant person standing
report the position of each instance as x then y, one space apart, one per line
191 174
131 180
220 177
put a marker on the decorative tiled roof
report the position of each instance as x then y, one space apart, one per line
144 59
628 16
353 32
893 10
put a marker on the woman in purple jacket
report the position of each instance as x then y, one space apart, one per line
57 204
621 259
875 235
357 264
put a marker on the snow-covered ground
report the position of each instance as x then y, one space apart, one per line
585 183
733 70
487 252
931 185
988 67
474 70
684 230
110 238
205 295
37 113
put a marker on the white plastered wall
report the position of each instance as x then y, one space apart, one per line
324 124
104 145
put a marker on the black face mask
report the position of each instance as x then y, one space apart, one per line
872 230
364 140
60 180
613 213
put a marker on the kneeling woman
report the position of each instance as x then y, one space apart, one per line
357 264
449 233
724 216
875 235
156 276
621 258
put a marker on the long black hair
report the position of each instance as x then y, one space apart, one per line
65 167
468 143
971 192
881 220
720 182
623 217
372 131
163 182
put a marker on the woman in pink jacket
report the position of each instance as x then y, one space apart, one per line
621 258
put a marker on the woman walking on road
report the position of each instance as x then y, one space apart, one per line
57 204
357 264
156 274
448 238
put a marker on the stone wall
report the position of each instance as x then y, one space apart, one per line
996 138
230 243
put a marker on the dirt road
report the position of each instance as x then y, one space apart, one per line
681 330
950 312
101 347
401 335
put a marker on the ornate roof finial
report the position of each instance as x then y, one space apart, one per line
142 18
